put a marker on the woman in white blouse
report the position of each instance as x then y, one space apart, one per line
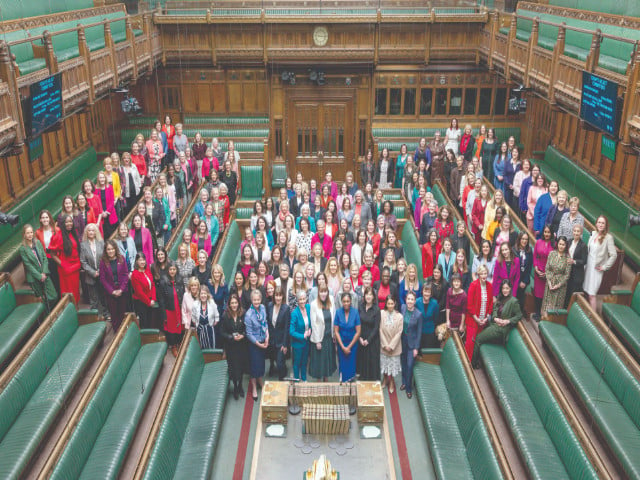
452 137
602 256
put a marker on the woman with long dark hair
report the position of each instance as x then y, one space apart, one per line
36 267
45 234
114 277
234 333
65 252
170 293
368 359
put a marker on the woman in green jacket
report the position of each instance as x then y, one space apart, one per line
36 267
506 314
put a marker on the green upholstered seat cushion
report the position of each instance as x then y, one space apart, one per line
23 438
412 253
534 442
201 436
251 178
625 322
445 439
7 301
14 329
610 416
244 213
33 65
164 456
217 120
230 254
111 447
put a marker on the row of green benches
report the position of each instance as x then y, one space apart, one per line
67 180
624 316
595 199
65 45
502 133
37 389
627 8
614 54
458 438
607 390
12 10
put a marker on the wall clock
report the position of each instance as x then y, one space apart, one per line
320 36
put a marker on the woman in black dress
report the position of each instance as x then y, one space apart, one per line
234 332
368 360
439 287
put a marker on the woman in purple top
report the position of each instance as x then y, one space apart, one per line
456 304
114 277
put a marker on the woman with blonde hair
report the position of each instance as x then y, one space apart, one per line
218 288
91 250
602 256
490 211
184 263
410 283
322 354
334 277
204 314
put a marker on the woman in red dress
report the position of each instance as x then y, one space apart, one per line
479 308
64 248
430 252
144 292
94 203
171 291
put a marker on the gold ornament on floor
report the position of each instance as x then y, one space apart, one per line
321 470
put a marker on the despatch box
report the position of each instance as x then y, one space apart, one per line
275 402
370 402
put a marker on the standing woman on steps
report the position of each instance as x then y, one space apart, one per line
602 256
144 292
368 359
45 233
83 214
258 336
65 251
401 163
36 267
367 170
106 197
114 277
171 292
234 333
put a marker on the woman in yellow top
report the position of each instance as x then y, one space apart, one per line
112 177
490 210
494 223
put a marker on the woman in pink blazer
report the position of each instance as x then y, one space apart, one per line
507 267
142 238
104 192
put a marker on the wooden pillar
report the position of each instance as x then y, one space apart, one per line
110 45
83 48
512 36
533 42
495 30
131 38
8 75
631 104
558 50
594 52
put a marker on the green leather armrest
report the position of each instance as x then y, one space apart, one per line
149 331
430 351
557 311
614 291
24 291
216 351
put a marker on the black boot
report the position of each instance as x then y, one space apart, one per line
235 390
272 368
240 389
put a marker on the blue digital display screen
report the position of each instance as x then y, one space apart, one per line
599 103
45 105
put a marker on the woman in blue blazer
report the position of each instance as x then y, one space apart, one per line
446 259
411 335
299 331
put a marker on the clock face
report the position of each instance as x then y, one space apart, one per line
320 36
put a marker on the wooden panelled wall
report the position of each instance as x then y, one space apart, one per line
565 131
18 175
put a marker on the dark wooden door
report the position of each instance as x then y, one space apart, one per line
320 136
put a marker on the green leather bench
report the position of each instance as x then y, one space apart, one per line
227 134
251 178
100 440
190 428
12 10
40 388
547 444
215 120
455 428
502 133
230 252
143 121
625 320
25 59
614 55
392 196
412 253
278 175
628 8
67 180
608 390
243 213
595 199
16 321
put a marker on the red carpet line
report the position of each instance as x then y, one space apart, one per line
405 467
241 456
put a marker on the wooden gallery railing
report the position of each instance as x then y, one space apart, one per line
86 77
553 73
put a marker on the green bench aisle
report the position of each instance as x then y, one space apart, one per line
39 389
455 428
625 320
186 442
412 253
547 444
608 391
67 180
100 440
16 321
595 199
230 252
